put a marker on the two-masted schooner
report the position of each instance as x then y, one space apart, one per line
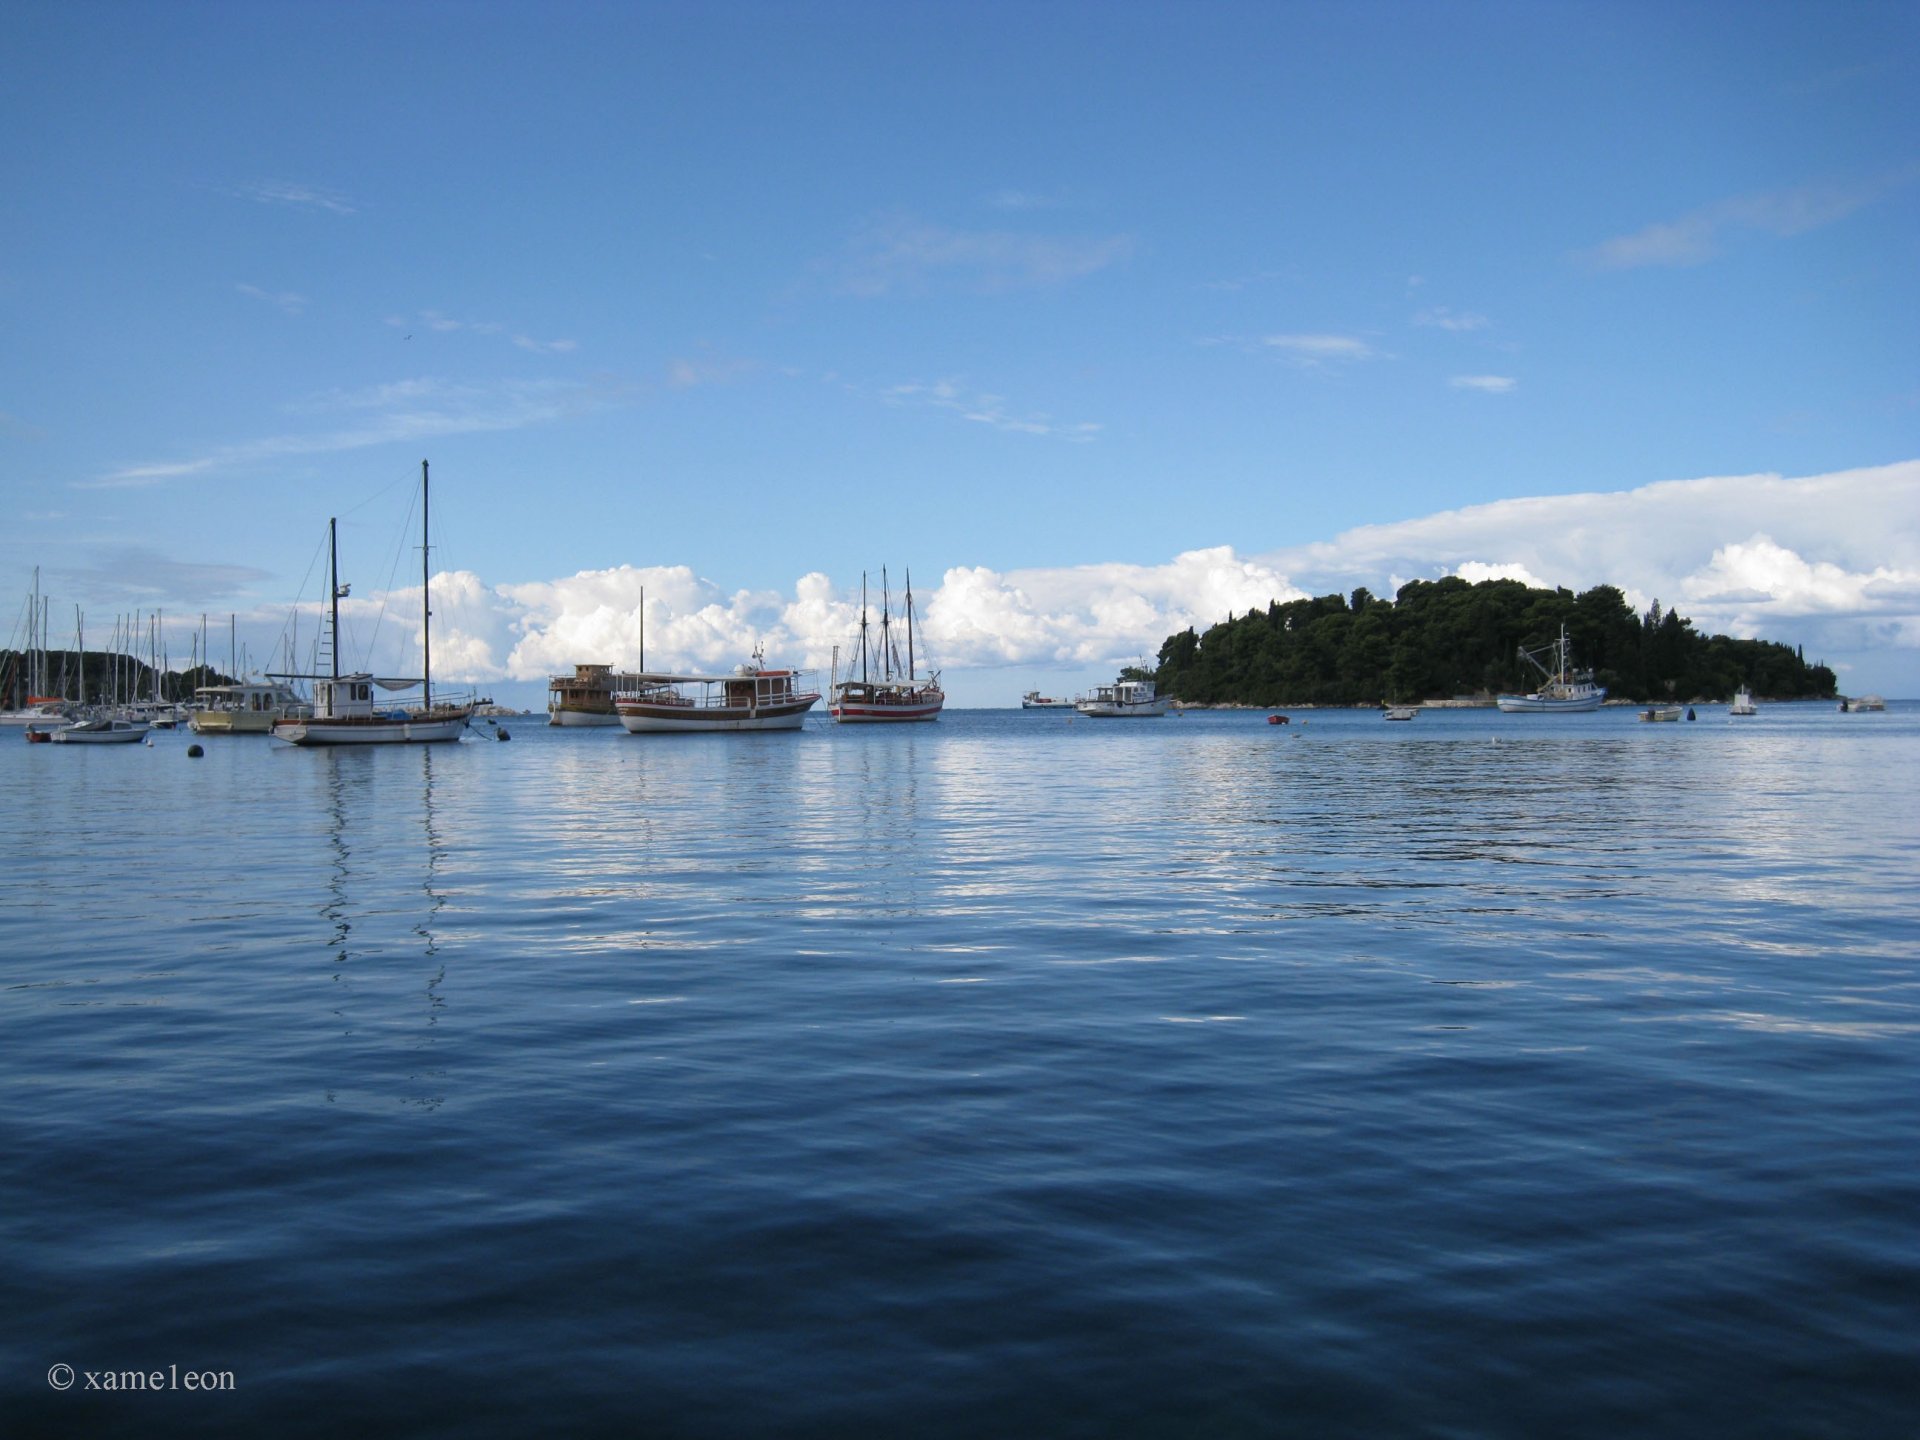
346 708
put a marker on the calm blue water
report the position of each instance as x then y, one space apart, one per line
1503 1076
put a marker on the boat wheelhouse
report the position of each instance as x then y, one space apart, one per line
751 698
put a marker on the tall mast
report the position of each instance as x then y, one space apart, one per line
426 600
909 627
333 592
863 627
886 628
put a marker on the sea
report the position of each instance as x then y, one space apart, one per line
1015 1075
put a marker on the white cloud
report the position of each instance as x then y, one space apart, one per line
1443 317
1486 384
1698 235
993 411
1831 560
410 410
901 254
1318 349
298 196
285 300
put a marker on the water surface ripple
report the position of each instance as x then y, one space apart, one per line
1503 1076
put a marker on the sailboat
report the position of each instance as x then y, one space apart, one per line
894 693
345 710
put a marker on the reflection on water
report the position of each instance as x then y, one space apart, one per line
1468 1076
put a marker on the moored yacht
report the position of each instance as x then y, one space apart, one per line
346 710
1123 700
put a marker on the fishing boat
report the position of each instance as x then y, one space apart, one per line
1566 692
1402 712
102 730
244 709
584 698
751 698
887 691
1743 703
346 710
1123 700
1034 700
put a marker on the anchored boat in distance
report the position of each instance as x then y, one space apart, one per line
1123 700
1567 691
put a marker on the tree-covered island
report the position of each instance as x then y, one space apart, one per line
1440 639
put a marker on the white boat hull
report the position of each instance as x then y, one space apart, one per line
121 733
234 722
583 719
1549 704
1105 710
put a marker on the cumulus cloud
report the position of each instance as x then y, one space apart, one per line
1832 560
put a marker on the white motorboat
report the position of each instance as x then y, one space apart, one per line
1123 700
103 730
1743 703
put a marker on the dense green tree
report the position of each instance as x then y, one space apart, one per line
1448 637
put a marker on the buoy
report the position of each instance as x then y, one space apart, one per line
194 752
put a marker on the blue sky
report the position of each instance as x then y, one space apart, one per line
1104 319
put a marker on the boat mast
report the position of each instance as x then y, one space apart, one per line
886 629
909 627
333 591
426 601
863 627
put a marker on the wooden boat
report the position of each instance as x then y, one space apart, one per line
887 691
751 698
346 710
584 698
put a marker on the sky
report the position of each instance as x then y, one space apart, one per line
1100 320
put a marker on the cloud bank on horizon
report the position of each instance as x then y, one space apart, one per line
1829 562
